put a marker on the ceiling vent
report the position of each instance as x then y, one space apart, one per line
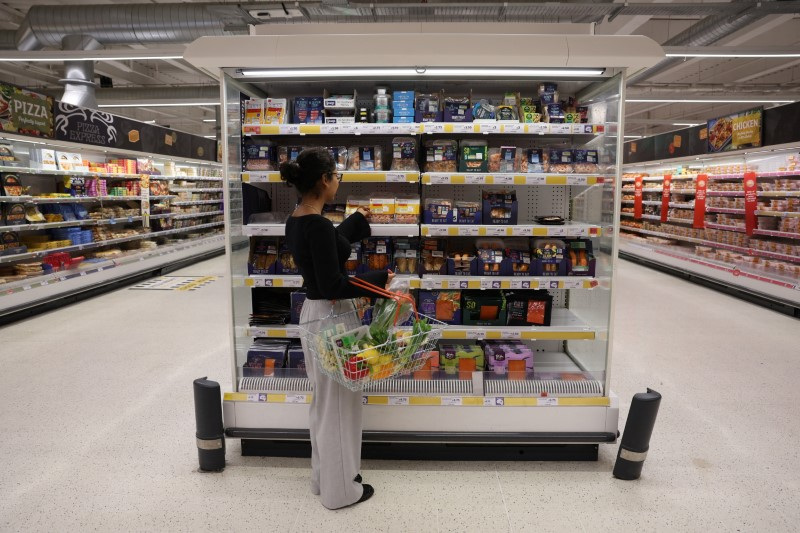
276 13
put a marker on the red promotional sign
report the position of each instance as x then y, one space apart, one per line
700 185
750 201
665 197
637 197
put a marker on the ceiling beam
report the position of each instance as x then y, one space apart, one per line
771 70
28 73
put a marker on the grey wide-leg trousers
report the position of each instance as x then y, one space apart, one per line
334 418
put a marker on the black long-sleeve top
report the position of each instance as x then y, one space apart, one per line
321 250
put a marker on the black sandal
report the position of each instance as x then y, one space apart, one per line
357 479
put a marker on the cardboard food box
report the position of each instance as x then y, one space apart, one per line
483 308
441 305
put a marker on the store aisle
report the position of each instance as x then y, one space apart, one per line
97 409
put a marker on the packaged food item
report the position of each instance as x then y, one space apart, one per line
553 112
340 116
404 154
286 264
474 156
528 308
339 101
535 161
467 212
263 255
504 159
581 258
289 153
483 308
441 155
259 157
490 256
517 254
381 209
432 256
406 257
583 112
438 211
457 109
442 305
585 161
308 110
12 186
377 253
547 87
500 353
500 207
339 154
274 111
335 213
483 110
403 104
561 161
354 202
48 158
507 113
9 242
461 256
453 356
354 262
364 158
407 209
428 108
13 214
253 111
550 220
7 153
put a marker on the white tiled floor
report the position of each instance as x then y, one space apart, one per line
98 429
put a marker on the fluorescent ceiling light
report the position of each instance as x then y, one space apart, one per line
209 120
149 121
31 59
210 136
422 71
732 54
633 136
686 123
176 104
712 101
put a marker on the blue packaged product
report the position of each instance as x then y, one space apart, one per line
404 109
403 120
295 358
297 298
403 96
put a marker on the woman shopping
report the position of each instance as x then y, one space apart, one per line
321 250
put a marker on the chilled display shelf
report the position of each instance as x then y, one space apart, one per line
378 230
89 246
277 331
446 178
658 178
570 229
347 176
644 217
187 178
727 210
73 223
682 206
713 244
723 227
77 199
644 202
537 128
196 189
436 282
196 202
714 177
761 194
773 255
773 233
181 216
777 213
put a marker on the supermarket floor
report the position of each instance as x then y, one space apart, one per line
98 429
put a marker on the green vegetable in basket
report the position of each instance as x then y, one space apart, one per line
383 316
419 334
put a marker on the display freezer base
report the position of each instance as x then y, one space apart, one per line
778 295
107 275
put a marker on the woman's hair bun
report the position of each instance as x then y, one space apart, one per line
290 172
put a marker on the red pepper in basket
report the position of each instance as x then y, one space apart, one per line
355 368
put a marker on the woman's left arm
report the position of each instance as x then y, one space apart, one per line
355 227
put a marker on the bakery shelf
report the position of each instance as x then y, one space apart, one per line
570 229
272 281
564 325
676 205
724 193
738 249
730 211
644 217
437 282
773 255
99 244
72 223
778 194
724 227
539 128
348 176
196 202
644 202
180 216
675 220
513 178
196 189
777 213
773 233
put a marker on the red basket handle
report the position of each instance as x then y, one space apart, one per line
397 297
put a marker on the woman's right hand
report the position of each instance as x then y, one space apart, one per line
389 278
364 211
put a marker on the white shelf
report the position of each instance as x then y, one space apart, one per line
777 213
644 217
723 227
180 216
712 244
570 229
378 230
348 176
437 282
196 189
254 280
538 128
196 202
513 178
72 223
727 210
773 233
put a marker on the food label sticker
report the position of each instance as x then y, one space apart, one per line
398 400
433 127
463 127
491 402
489 128
292 282
519 284
547 402
576 180
395 177
474 179
496 231
573 284
296 398
476 334
290 129
437 230
536 180
440 180
503 180
468 231
514 128
538 127
329 128
561 129
452 400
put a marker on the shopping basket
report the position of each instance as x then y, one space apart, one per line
366 344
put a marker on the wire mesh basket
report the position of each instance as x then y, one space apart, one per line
356 348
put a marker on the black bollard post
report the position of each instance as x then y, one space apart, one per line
210 433
636 439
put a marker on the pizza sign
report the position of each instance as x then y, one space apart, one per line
25 112
736 131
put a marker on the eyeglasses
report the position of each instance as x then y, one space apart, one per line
338 175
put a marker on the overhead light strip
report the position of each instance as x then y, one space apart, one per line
733 54
421 72
90 58
176 104
710 101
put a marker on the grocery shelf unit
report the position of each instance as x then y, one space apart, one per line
545 408
176 227
762 265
